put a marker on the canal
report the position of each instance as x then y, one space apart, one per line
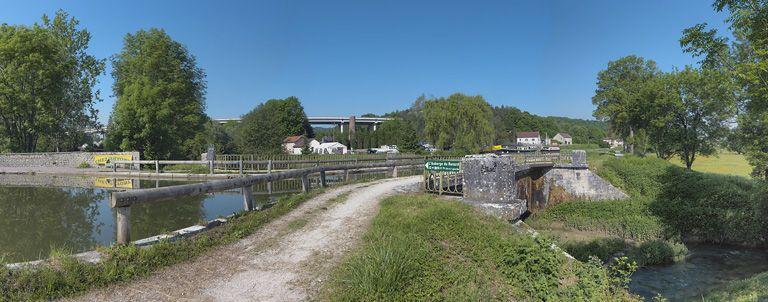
705 268
40 213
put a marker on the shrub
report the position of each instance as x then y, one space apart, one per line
713 208
657 252
83 165
602 248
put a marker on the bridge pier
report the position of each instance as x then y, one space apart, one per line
489 184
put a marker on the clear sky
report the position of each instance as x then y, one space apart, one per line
354 57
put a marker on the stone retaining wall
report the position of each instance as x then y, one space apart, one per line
55 159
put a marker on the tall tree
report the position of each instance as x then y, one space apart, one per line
263 129
619 98
746 60
459 122
398 132
160 97
46 82
699 107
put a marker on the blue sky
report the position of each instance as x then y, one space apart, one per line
354 57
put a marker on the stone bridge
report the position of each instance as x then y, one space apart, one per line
509 187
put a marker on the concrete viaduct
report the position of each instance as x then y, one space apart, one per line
340 121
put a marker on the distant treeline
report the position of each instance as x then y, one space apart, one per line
508 120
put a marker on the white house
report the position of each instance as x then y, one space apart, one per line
615 143
329 148
563 138
295 144
529 138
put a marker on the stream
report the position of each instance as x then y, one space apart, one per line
706 267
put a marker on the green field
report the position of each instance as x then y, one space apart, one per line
728 163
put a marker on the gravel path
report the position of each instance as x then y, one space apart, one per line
286 260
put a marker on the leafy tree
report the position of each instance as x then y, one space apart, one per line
160 97
619 98
263 129
398 132
699 106
222 137
746 60
46 83
459 122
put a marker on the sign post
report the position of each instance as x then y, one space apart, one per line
443 165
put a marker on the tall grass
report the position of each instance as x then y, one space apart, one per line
424 248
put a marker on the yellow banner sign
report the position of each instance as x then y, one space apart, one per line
102 160
103 182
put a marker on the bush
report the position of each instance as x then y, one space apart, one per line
602 248
83 165
698 206
713 208
657 252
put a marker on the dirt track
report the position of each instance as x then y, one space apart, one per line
286 260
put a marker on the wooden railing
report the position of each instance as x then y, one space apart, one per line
123 200
243 166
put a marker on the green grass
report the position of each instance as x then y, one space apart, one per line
420 247
187 168
747 290
667 204
727 163
628 219
65 276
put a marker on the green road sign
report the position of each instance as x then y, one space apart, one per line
443 165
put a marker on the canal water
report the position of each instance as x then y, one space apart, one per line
706 267
34 219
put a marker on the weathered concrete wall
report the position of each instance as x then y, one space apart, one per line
54 159
57 181
489 183
556 185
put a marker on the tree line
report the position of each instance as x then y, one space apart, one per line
695 110
47 98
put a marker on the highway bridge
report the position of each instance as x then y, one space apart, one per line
341 121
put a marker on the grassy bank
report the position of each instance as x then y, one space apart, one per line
668 201
748 290
668 204
66 276
423 248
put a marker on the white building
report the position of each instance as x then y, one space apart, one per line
295 144
529 138
329 148
615 143
563 138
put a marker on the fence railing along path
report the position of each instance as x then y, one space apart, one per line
123 200
243 166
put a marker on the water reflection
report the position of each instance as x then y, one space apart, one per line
38 212
35 219
706 268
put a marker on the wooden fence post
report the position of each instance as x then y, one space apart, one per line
269 171
346 175
247 198
305 186
394 171
241 166
123 222
322 179
157 167
210 165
